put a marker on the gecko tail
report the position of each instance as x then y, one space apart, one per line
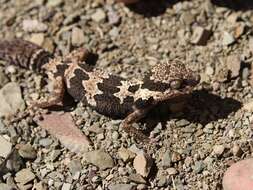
24 54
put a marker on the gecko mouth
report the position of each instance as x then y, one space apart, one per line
193 81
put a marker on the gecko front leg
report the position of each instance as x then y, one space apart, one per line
135 117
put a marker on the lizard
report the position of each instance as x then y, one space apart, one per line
108 94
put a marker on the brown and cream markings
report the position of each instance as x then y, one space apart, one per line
108 94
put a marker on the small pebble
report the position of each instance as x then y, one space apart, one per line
37 38
5 147
218 150
34 26
166 160
99 158
228 39
171 171
99 16
45 142
77 37
234 65
126 155
200 36
121 187
66 186
24 176
27 151
236 150
11 99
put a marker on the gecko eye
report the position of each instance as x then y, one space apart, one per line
175 84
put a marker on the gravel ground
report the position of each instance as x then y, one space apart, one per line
195 146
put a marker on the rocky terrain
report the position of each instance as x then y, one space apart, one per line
195 145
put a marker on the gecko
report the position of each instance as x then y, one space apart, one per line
108 94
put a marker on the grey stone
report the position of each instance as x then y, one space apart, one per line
198 167
3 128
114 32
209 70
4 186
236 150
112 15
75 166
218 150
66 186
34 26
227 39
5 147
27 151
166 161
95 128
99 158
54 3
13 133
37 38
14 162
182 123
234 65
162 181
121 187
55 154
171 171
77 37
137 178
99 15
3 78
200 36
72 17
115 135
187 18
175 157
45 142
24 176
126 155
245 73
11 99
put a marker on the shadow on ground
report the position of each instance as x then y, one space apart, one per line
151 8
200 107
234 4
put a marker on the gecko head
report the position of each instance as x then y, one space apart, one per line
77 55
175 75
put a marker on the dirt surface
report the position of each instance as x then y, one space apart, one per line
194 147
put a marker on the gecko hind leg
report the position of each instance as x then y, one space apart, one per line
55 97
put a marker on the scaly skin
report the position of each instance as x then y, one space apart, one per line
108 94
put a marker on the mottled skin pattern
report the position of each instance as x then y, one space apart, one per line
108 94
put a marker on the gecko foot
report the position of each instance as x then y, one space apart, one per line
137 134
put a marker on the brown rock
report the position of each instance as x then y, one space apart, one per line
142 164
239 176
62 126
78 37
37 38
234 65
200 36
126 155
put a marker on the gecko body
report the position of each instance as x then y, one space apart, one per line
108 94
